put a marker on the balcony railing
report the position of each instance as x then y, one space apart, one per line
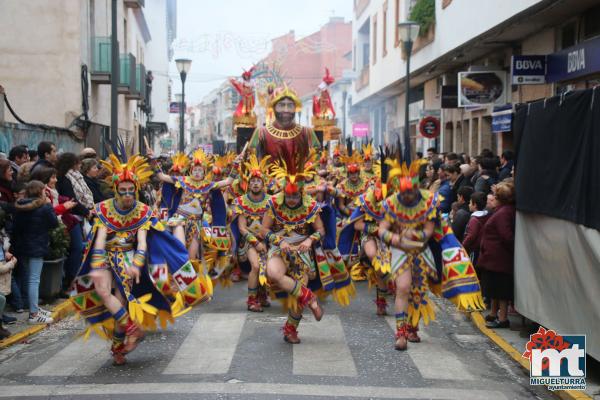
134 3
101 59
140 84
127 74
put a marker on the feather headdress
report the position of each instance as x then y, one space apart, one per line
135 170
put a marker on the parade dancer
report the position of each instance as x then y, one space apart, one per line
411 218
359 238
196 203
367 156
129 251
249 210
294 230
352 185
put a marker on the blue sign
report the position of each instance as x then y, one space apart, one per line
528 70
573 62
174 107
502 119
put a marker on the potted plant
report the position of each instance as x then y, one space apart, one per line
52 272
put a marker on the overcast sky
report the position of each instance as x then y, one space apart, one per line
222 37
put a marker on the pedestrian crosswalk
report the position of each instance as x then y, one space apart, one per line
445 366
324 350
210 345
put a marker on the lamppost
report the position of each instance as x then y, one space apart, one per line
408 31
183 66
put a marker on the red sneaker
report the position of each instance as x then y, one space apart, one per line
381 304
118 354
134 335
235 275
413 336
263 299
308 298
254 304
401 338
290 334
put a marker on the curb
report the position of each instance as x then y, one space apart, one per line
479 322
60 311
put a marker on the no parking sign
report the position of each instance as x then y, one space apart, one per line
429 127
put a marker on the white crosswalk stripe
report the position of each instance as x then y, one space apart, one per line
70 362
431 358
210 345
324 350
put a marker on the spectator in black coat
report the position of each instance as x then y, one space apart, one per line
47 155
488 176
90 170
462 215
34 220
66 165
507 162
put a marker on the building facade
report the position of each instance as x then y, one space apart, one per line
59 73
472 38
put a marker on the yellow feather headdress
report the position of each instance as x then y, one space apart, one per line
180 163
352 162
294 174
367 152
403 177
199 157
256 168
136 170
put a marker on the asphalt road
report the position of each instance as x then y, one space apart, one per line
221 351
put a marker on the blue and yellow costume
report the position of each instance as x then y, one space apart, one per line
168 285
454 279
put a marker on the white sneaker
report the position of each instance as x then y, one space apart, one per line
45 312
39 318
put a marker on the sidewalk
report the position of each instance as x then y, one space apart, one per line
513 342
21 330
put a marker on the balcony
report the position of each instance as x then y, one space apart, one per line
140 84
101 60
363 79
134 3
127 76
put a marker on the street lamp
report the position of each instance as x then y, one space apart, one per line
183 66
408 31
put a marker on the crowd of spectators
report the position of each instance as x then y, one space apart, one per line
43 194
478 197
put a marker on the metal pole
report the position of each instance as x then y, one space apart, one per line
345 95
182 113
114 77
407 151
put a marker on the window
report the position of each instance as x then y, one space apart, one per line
366 50
384 20
374 39
591 23
568 34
